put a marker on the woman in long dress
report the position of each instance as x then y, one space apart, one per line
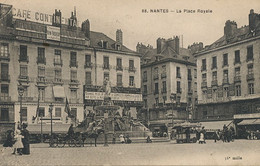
18 145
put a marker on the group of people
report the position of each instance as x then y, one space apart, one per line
19 140
227 134
124 139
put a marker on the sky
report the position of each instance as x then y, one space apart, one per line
146 27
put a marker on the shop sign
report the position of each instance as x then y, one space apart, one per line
114 96
53 33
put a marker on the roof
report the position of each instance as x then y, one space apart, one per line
97 37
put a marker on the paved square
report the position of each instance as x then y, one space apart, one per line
240 152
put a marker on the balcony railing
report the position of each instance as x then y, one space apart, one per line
237 79
5 98
250 77
5 77
106 66
5 56
88 65
203 84
57 62
73 63
225 81
120 68
41 60
41 79
74 81
214 83
131 69
58 81
23 58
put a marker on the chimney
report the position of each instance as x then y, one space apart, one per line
160 45
119 36
230 29
254 21
85 27
174 43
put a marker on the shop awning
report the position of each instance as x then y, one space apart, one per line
216 125
46 128
248 122
58 91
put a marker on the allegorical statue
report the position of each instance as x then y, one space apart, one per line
107 87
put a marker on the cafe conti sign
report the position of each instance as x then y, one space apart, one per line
114 96
35 16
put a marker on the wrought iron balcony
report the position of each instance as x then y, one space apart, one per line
214 83
58 81
250 76
5 98
120 68
5 56
88 65
5 77
41 60
73 63
132 69
57 62
225 81
23 58
74 81
106 66
237 79
204 84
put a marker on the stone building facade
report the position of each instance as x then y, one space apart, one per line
228 73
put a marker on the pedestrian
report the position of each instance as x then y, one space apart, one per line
201 140
122 138
128 140
26 139
148 139
9 142
204 134
114 139
215 136
18 145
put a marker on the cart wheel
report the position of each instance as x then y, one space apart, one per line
79 143
72 143
61 143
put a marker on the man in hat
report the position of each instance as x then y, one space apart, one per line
25 140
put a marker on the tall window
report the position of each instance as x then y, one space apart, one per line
164 89
131 65
119 64
178 87
204 65
225 74
41 93
57 74
163 71
214 76
225 59
41 55
144 76
4 71
4 91
23 53
156 88
157 101
237 71
41 112
195 73
4 114
189 74
156 73
74 112
214 62
131 81
106 62
145 89
24 114
73 59
250 53
251 88
88 78
57 112
164 99
41 71
119 80
178 72
226 92
237 56
106 76
4 50
189 86
238 90
204 77
250 69
23 70
57 57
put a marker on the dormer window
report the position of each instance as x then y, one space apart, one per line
104 44
118 47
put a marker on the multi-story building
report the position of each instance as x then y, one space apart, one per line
168 83
52 59
228 73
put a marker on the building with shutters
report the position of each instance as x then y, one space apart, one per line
53 58
228 73
167 70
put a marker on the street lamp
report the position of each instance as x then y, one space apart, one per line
50 110
105 128
173 98
20 92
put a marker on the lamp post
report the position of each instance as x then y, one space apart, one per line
41 130
173 98
50 110
20 92
105 128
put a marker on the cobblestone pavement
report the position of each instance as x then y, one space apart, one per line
240 152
